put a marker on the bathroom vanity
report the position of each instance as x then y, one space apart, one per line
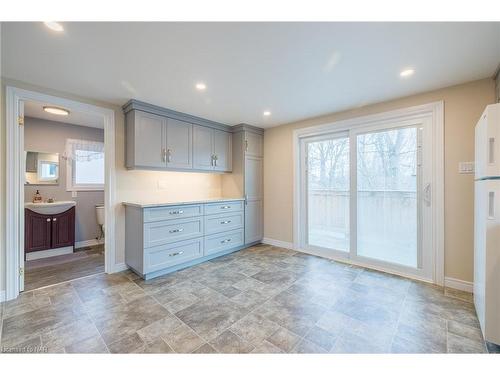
49 226
164 237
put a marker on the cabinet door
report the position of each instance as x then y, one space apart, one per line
179 144
202 147
149 139
37 231
253 178
63 229
253 144
222 150
253 221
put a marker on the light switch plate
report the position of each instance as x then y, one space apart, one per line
74 194
466 167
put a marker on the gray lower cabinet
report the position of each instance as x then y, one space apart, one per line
163 238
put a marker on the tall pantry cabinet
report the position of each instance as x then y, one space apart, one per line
247 178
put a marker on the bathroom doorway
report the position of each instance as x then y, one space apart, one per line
61 160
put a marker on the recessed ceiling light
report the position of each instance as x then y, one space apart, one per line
56 26
267 113
200 86
56 111
407 72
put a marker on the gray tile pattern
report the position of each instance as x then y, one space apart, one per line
263 299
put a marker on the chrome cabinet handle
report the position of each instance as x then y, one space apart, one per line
163 155
215 160
176 230
176 212
174 254
54 219
225 207
212 160
169 155
48 219
226 241
225 222
246 145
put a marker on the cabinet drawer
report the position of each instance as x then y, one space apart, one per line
223 222
172 212
223 241
165 256
162 232
223 207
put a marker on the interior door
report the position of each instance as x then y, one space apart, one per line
179 144
203 148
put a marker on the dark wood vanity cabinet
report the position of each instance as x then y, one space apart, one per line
43 232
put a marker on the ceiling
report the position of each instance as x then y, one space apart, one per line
35 109
293 70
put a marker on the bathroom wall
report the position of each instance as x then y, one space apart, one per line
50 136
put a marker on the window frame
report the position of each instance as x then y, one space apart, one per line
70 168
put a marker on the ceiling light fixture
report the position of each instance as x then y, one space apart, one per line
56 111
407 72
201 86
56 26
267 113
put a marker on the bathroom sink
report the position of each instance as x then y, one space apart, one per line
50 208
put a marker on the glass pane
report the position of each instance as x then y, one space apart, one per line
328 193
89 167
387 196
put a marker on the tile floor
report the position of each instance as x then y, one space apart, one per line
260 300
49 271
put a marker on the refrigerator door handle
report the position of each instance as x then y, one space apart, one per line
428 194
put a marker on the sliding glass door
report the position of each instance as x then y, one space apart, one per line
362 196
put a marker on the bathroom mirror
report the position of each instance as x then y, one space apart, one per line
42 168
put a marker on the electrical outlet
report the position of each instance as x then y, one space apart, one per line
466 167
74 194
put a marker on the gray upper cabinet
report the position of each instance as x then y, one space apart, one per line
145 140
222 151
203 148
179 144
158 138
253 144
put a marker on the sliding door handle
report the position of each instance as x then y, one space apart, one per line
427 196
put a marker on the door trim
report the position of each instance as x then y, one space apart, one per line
433 112
14 210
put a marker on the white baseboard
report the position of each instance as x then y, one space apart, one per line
120 267
87 243
2 295
277 243
466 286
49 253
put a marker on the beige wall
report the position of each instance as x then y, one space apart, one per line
463 104
131 185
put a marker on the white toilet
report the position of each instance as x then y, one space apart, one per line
99 210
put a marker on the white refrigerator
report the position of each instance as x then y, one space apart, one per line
487 223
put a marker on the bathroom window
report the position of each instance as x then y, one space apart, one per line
85 165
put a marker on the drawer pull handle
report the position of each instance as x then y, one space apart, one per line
225 207
174 254
176 230
225 222
176 212
226 241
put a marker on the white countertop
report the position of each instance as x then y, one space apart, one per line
148 204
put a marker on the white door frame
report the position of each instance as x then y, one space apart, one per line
432 112
14 234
